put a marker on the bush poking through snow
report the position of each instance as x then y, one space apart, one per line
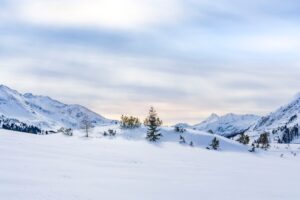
252 150
153 123
210 131
68 131
112 132
215 143
62 129
191 144
130 122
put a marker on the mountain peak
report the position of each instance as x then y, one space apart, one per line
212 117
28 95
286 116
227 125
43 111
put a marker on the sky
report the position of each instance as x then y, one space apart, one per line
187 58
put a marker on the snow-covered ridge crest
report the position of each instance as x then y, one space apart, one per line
227 125
286 115
282 125
43 111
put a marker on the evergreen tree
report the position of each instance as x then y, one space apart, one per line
191 144
179 129
264 140
289 134
215 143
181 140
153 123
244 139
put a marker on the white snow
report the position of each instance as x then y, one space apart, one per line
58 167
44 112
288 115
227 125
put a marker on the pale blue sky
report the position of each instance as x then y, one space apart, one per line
188 58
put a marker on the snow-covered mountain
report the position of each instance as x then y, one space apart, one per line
44 112
286 115
283 124
227 125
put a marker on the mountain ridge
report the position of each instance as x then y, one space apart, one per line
43 111
227 125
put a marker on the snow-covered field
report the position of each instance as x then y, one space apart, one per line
58 167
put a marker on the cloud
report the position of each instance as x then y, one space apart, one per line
114 84
187 58
112 14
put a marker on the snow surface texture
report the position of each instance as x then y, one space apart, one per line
227 125
35 167
43 111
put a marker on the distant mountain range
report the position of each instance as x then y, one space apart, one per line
282 124
227 125
44 112
32 112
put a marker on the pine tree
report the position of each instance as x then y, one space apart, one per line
153 123
191 144
264 141
215 143
181 140
244 139
179 129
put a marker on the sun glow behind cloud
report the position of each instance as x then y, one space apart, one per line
112 14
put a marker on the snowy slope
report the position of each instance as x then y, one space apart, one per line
58 167
199 138
227 125
43 111
284 121
286 115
